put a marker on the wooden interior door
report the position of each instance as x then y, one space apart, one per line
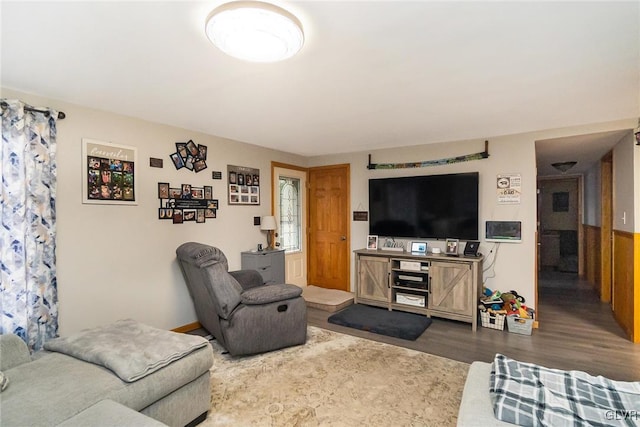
329 232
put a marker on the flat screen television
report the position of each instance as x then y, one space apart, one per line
425 207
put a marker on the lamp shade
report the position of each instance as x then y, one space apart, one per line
268 223
254 31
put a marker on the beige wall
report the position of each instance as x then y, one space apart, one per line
514 266
119 261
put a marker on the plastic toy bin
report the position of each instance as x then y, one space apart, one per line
492 321
518 325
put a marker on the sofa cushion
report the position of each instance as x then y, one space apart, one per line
14 352
108 413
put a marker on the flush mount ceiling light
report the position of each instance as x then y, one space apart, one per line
564 166
254 31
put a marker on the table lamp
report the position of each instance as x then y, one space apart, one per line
268 224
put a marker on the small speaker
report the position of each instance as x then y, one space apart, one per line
471 249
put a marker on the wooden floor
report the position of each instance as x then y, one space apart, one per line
576 332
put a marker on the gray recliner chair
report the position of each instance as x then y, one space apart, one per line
243 314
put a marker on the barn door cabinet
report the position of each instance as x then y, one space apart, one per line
373 281
433 285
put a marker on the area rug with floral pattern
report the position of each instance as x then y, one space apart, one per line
335 380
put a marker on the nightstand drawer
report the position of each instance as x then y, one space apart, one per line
261 261
269 263
266 273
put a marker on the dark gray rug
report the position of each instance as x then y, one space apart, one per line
381 321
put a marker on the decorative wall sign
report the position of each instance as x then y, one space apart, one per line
509 188
360 216
186 203
155 162
216 175
190 155
108 171
244 185
439 162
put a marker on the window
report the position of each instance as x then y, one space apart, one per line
290 233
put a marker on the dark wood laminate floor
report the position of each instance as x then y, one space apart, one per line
576 332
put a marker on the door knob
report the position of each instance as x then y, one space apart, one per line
343 237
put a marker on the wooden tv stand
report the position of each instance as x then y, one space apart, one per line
433 285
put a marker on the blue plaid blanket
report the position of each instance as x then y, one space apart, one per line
530 395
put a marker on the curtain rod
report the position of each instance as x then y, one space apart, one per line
47 113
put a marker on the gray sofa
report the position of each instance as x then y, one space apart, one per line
476 409
52 388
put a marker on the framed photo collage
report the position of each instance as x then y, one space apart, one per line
186 203
244 185
109 172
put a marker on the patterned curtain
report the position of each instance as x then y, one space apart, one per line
28 299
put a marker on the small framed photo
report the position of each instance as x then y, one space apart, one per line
200 215
452 247
177 216
188 163
372 242
197 193
177 160
199 165
189 215
208 192
174 193
202 152
186 191
163 190
181 149
192 148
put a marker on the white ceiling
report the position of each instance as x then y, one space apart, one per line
372 74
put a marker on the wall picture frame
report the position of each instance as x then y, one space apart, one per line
163 190
560 201
243 186
452 247
109 173
372 242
